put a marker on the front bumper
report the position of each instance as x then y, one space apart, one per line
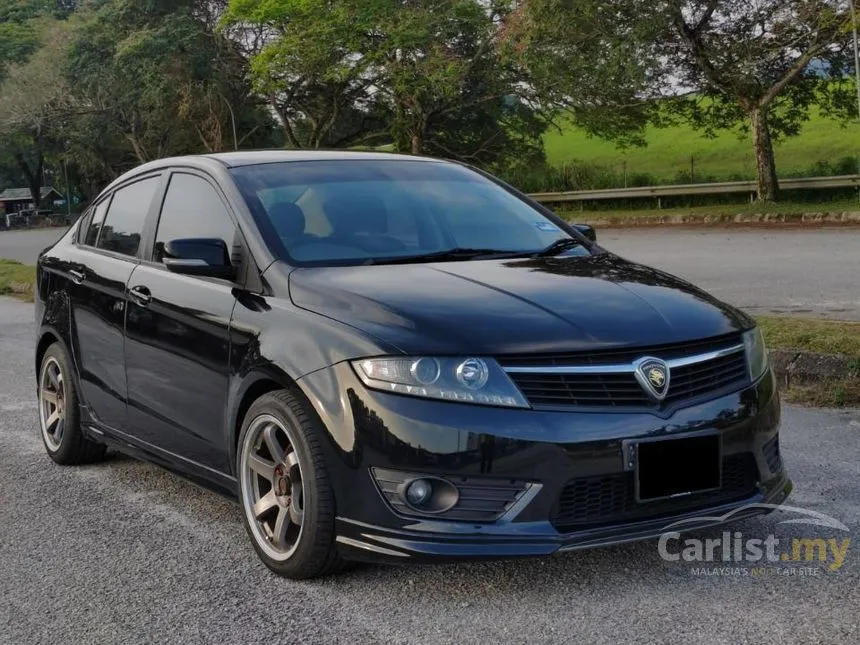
375 430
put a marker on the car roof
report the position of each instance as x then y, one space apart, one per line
256 157
251 157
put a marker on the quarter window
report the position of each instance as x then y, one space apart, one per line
192 209
96 222
123 226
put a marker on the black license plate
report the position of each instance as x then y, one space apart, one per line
677 467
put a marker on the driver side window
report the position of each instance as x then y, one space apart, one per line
192 209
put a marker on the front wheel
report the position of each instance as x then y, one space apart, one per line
287 500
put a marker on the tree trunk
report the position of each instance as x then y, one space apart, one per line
765 164
33 176
286 126
417 144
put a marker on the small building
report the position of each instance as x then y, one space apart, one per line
14 200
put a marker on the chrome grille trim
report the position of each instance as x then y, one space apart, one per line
623 368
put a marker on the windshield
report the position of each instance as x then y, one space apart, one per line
357 211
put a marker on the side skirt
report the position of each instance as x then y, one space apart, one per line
203 476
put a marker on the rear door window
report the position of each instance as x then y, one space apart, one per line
123 226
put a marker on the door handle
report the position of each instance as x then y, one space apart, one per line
140 295
77 276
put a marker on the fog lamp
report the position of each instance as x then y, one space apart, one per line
418 492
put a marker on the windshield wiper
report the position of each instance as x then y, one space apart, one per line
457 253
557 247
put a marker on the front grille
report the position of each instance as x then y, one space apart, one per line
621 389
771 454
610 499
715 375
614 390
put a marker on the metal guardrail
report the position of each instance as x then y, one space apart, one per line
682 190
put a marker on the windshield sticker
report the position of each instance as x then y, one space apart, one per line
549 227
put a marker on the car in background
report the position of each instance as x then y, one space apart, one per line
397 359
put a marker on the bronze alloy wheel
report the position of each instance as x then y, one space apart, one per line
272 490
52 403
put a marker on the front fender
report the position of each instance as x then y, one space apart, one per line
273 344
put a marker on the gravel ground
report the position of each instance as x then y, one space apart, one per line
121 552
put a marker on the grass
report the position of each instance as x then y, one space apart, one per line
17 279
822 336
836 206
827 394
726 156
826 337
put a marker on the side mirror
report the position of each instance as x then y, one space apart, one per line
587 231
199 256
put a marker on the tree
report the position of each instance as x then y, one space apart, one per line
439 73
749 63
160 83
594 61
34 99
309 65
722 63
426 77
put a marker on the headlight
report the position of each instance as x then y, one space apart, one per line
756 353
466 380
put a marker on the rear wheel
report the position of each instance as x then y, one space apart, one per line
287 500
59 418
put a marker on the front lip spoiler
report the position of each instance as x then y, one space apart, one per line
360 541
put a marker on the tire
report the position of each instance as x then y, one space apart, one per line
59 414
292 528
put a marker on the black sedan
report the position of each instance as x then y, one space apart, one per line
397 359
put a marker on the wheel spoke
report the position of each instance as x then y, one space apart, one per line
261 466
265 504
49 397
58 431
297 513
291 460
54 376
270 436
51 420
282 524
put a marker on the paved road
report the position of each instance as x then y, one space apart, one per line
812 272
121 552
25 245
809 272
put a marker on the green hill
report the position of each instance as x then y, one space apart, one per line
725 157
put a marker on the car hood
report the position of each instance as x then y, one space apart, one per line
495 307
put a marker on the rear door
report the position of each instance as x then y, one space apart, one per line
99 268
177 332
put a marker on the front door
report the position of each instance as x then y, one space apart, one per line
178 334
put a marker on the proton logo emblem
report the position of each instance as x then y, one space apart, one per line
657 376
653 376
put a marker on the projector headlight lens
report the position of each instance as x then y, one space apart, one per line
466 380
425 370
473 373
